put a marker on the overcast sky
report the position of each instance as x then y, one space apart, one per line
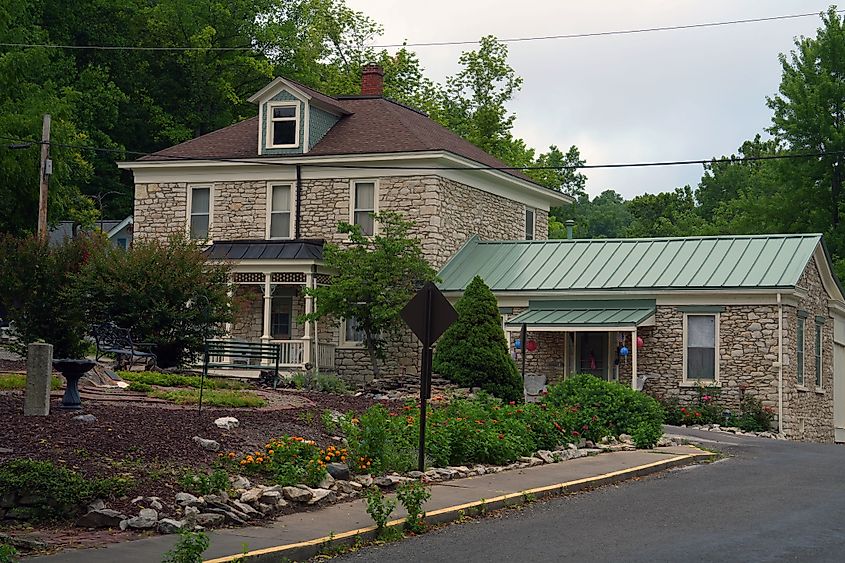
671 95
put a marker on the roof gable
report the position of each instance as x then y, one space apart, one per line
698 263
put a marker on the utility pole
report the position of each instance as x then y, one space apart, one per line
46 170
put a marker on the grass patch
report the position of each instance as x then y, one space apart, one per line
210 398
176 380
17 382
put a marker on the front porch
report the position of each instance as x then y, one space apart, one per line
267 286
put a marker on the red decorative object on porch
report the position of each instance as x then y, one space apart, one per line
531 346
640 343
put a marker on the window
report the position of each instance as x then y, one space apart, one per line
819 329
200 213
122 243
280 222
529 224
800 351
353 332
284 125
280 317
363 206
701 347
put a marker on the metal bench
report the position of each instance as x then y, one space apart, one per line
112 339
240 355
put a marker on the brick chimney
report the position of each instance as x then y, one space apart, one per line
372 80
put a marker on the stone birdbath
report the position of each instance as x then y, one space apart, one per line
72 370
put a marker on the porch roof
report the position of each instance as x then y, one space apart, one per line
560 314
299 249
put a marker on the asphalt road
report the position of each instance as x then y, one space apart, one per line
769 501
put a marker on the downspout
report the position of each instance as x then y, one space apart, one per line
780 365
297 231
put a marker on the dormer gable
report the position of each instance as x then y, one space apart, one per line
292 118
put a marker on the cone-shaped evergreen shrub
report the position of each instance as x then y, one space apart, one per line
473 352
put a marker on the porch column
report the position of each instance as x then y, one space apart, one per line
268 301
309 308
230 293
634 359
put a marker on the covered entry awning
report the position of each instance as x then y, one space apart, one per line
585 315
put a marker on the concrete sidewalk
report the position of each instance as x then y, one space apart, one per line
301 535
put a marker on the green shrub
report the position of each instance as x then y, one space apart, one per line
177 380
41 293
204 483
56 492
325 383
473 352
140 387
379 507
605 408
412 495
210 398
7 553
188 549
17 382
166 292
753 416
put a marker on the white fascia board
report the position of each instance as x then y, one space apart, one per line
273 87
281 168
120 226
673 297
827 276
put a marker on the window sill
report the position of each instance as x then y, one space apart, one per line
819 391
802 389
699 383
350 346
296 146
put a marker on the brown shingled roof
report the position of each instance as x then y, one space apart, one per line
374 125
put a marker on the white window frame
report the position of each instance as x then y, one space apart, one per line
717 346
189 209
271 120
344 343
801 352
291 212
818 355
533 223
352 209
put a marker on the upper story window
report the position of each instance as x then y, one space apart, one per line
364 200
529 223
701 352
283 130
199 213
280 215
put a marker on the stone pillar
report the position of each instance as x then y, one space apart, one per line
39 370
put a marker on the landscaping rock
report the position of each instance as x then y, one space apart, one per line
85 418
388 481
365 480
626 439
208 445
227 422
101 518
546 456
97 505
241 482
244 507
297 494
415 474
338 470
348 487
147 518
322 495
155 503
229 515
251 496
169 526
271 497
210 519
326 482
190 519
187 499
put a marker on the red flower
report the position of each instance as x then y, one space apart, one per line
585 427
576 433
512 403
697 413
501 436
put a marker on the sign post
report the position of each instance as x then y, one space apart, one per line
428 314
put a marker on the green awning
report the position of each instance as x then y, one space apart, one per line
627 313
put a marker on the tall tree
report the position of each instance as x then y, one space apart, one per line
559 171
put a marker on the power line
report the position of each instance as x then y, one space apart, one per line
646 164
434 43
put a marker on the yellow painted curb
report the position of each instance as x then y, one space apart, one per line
460 507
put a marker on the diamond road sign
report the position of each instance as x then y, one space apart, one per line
429 314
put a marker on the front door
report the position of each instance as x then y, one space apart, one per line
592 353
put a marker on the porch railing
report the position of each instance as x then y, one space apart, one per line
292 353
326 356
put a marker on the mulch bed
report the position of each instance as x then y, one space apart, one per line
153 443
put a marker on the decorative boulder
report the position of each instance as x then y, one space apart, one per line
297 494
208 445
169 526
338 471
210 520
147 518
101 518
227 422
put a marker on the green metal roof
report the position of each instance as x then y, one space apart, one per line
585 313
752 261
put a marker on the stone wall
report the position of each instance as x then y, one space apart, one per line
240 210
249 312
808 410
160 210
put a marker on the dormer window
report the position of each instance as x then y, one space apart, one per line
283 130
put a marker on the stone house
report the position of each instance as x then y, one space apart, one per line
762 315
266 193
